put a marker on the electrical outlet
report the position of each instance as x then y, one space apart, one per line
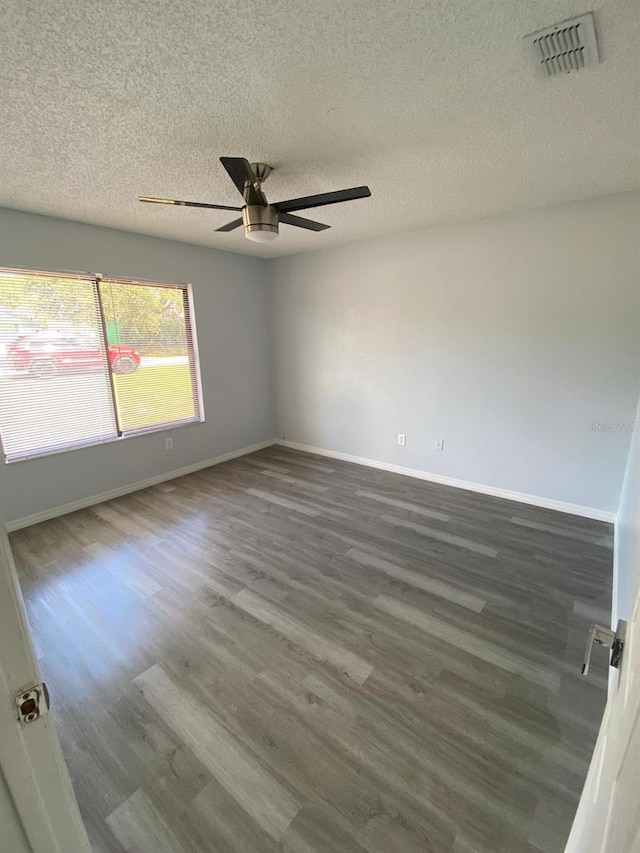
439 445
168 444
402 439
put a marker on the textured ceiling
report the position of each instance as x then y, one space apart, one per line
431 102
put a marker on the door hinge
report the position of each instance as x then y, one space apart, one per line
613 640
32 703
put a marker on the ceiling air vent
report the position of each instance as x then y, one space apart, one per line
564 47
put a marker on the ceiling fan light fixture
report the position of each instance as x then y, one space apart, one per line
260 223
260 233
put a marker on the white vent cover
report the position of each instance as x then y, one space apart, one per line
564 47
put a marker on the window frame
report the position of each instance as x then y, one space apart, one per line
195 373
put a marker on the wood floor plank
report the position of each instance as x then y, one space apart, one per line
305 485
281 501
239 773
140 827
420 581
558 530
225 826
343 659
413 508
443 536
491 653
317 830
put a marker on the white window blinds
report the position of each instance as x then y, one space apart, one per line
54 381
84 360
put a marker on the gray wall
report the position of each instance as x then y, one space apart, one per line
231 298
628 531
508 337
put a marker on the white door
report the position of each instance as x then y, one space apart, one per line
31 762
608 816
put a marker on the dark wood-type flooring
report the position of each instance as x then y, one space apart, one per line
287 653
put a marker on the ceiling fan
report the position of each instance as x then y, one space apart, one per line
259 218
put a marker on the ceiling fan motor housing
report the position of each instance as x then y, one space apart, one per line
260 222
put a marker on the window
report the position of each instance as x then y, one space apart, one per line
85 359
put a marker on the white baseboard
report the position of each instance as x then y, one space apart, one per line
520 497
63 509
494 491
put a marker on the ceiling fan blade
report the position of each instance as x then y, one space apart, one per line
300 222
241 174
231 226
186 203
322 199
